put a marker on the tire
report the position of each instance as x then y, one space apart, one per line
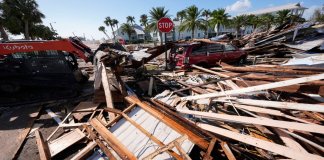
203 64
241 61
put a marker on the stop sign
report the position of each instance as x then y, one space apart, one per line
165 25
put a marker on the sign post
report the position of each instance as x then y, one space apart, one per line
165 25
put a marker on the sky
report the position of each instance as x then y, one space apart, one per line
83 17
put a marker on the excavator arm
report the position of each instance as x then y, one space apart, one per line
71 45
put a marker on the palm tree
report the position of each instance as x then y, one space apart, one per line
219 17
267 19
206 13
128 29
192 20
109 22
130 19
103 29
254 21
144 21
156 13
239 21
115 23
282 16
180 15
27 12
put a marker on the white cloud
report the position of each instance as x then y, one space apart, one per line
239 6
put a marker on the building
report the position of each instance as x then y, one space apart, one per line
139 34
295 9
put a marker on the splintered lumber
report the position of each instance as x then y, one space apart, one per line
273 147
148 134
111 140
182 126
256 88
98 80
106 86
183 153
259 121
81 109
85 151
164 148
58 145
43 150
268 69
282 105
14 127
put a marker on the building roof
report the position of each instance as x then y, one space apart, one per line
277 8
138 29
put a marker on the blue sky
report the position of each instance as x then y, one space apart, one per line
85 16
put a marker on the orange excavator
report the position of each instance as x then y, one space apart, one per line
41 63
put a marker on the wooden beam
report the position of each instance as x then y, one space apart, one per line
183 153
256 88
106 86
282 105
197 139
85 151
169 146
149 135
112 140
273 147
98 142
43 150
259 121
227 151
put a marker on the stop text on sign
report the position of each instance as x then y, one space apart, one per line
165 25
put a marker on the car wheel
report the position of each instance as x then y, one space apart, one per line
241 61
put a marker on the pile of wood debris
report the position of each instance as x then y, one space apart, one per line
229 112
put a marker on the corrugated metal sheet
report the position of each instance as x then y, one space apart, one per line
138 143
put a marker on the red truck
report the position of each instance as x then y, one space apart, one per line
204 54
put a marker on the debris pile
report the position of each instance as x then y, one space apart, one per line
272 110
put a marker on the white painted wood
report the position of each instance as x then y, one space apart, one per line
273 147
257 88
150 86
259 121
54 116
282 105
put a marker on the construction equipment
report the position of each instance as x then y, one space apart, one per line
41 63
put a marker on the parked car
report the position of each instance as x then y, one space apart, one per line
204 54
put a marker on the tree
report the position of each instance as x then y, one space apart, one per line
282 17
130 19
156 13
21 16
254 21
180 16
318 16
192 20
267 19
115 23
238 22
206 13
144 21
219 17
109 22
128 29
103 29
41 31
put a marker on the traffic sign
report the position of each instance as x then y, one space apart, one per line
165 25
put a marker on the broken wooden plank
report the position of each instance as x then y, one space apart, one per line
43 150
259 121
183 153
14 127
106 86
282 105
54 116
85 151
112 140
256 88
199 140
273 147
58 145
81 109
149 135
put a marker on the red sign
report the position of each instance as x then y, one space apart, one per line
165 25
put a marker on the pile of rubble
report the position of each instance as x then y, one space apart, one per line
270 110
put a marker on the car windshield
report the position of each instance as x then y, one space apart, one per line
179 49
